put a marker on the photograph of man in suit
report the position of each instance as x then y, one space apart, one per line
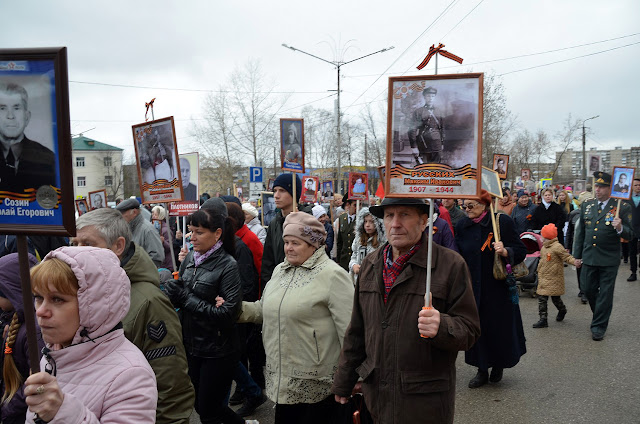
24 163
189 190
97 201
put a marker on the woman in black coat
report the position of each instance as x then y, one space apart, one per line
549 212
502 342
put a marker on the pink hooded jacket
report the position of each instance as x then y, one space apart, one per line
104 377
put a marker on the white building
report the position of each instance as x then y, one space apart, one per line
97 166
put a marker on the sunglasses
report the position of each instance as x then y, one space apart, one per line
470 206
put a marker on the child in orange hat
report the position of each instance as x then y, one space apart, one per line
551 274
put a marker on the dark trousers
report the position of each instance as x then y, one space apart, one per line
625 251
323 412
543 301
633 254
211 378
598 283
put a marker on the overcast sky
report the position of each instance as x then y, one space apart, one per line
195 45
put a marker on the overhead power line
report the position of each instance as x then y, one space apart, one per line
198 90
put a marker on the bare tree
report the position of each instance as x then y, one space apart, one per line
569 134
497 120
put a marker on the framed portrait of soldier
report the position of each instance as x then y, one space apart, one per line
491 182
190 173
501 165
36 180
358 185
518 183
310 186
270 184
292 144
327 190
434 136
157 160
579 186
525 174
621 182
268 207
82 207
97 199
594 161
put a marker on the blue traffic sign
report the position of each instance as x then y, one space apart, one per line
255 174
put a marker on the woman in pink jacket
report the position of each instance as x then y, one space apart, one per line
93 373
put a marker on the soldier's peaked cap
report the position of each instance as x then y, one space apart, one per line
602 179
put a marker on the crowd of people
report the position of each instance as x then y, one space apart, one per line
319 308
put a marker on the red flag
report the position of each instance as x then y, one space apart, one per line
380 191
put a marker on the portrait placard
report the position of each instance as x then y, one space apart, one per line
270 184
81 206
97 199
594 161
157 160
382 172
434 136
501 165
518 184
292 144
327 190
525 174
190 173
268 207
36 179
491 182
358 185
579 186
621 182
309 189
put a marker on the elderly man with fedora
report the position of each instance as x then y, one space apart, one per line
142 231
597 247
404 354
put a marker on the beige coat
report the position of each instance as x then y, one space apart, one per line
551 268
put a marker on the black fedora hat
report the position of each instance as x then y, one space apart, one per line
378 211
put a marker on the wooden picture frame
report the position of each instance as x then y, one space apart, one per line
622 189
310 186
423 112
491 182
268 211
501 165
97 199
358 186
38 192
579 186
270 184
157 161
81 206
292 144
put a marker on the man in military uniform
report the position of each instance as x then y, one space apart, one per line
346 227
597 247
427 139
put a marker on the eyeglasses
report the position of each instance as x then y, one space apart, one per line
470 206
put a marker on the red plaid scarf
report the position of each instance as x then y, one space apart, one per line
390 271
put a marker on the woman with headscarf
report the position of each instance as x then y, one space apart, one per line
304 310
92 373
501 342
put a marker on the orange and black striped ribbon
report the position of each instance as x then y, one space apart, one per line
433 50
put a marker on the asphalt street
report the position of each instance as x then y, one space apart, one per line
565 377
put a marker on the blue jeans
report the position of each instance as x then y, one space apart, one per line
245 383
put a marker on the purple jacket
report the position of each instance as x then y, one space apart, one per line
107 380
443 236
15 410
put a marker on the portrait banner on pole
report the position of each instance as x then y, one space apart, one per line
292 144
190 173
434 136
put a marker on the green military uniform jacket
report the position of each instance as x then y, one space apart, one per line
597 243
152 325
345 240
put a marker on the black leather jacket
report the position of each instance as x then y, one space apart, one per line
207 331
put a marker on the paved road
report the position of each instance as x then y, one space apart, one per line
565 377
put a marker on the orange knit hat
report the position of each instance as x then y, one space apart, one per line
549 231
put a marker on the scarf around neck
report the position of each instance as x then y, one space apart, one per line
198 258
480 218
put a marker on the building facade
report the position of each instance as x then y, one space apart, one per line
97 166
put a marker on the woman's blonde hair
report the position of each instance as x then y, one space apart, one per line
53 272
10 374
566 205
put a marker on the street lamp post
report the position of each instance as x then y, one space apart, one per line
338 64
584 143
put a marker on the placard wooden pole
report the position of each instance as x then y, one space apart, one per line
184 231
293 191
496 236
166 218
27 303
618 209
427 292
